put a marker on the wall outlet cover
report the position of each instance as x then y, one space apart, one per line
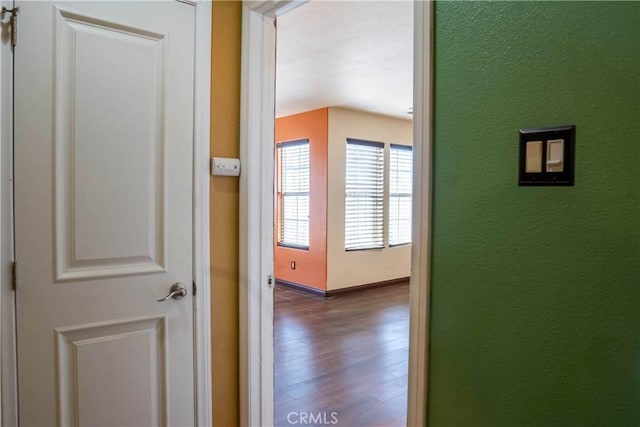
223 166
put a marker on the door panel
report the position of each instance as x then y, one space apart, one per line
100 145
108 354
104 140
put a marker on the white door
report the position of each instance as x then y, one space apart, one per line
103 200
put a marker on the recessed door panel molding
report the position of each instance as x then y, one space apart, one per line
119 362
102 145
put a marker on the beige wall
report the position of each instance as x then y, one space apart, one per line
354 268
225 142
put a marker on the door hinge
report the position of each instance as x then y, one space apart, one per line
13 22
270 281
14 276
194 288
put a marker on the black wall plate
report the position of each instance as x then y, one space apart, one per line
545 177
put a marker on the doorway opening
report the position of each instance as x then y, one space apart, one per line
257 209
343 197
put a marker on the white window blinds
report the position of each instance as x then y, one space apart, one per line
293 194
400 194
364 195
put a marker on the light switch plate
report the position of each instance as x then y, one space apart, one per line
547 156
222 166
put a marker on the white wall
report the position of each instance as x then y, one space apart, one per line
345 269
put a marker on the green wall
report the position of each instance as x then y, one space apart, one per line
536 291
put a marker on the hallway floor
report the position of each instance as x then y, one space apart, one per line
342 358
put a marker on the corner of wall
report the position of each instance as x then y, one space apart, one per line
349 269
310 265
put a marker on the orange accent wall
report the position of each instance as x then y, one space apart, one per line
311 265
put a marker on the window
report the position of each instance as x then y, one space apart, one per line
293 194
364 195
400 194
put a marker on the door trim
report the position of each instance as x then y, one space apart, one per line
201 214
8 368
201 256
257 96
256 210
420 287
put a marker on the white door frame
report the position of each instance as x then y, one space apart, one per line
256 210
201 257
8 408
201 216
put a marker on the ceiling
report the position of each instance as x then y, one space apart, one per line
351 54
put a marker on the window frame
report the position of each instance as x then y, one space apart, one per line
399 194
280 195
381 182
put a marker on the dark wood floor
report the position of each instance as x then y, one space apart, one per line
342 358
